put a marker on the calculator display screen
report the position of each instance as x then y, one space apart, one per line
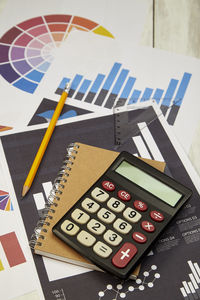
149 183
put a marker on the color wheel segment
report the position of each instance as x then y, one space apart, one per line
5 202
28 49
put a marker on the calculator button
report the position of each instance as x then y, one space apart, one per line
115 205
80 216
90 205
96 227
85 238
156 216
69 227
124 255
140 205
123 195
102 249
122 226
99 195
106 215
131 215
139 237
148 226
108 186
112 238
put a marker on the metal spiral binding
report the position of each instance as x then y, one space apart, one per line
54 196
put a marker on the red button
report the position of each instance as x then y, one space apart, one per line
123 195
124 255
140 205
139 237
156 216
148 226
108 186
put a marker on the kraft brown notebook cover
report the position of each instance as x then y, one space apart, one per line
83 166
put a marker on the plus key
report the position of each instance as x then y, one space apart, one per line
124 255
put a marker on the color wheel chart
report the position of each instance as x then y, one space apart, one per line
5 202
27 49
106 89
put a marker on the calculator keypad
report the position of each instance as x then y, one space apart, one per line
113 225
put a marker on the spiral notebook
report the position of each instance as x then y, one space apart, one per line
83 165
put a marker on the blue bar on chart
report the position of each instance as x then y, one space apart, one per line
75 83
126 91
108 83
167 99
179 98
62 85
146 95
158 95
116 89
83 89
94 88
134 97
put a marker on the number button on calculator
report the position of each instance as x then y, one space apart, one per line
69 227
99 195
112 238
80 216
115 205
96 227
122 226
131 215
106 215
90 205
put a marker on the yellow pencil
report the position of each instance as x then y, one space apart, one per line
45 141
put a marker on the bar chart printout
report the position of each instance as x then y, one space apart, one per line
106 89
12 250
191 289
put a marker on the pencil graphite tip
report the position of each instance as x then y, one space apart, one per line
67 87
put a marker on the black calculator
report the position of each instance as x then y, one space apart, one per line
115 223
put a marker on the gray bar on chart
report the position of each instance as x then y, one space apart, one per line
101 97
164 109
173 114
71 93
111 100
121 102
89 98
79 96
